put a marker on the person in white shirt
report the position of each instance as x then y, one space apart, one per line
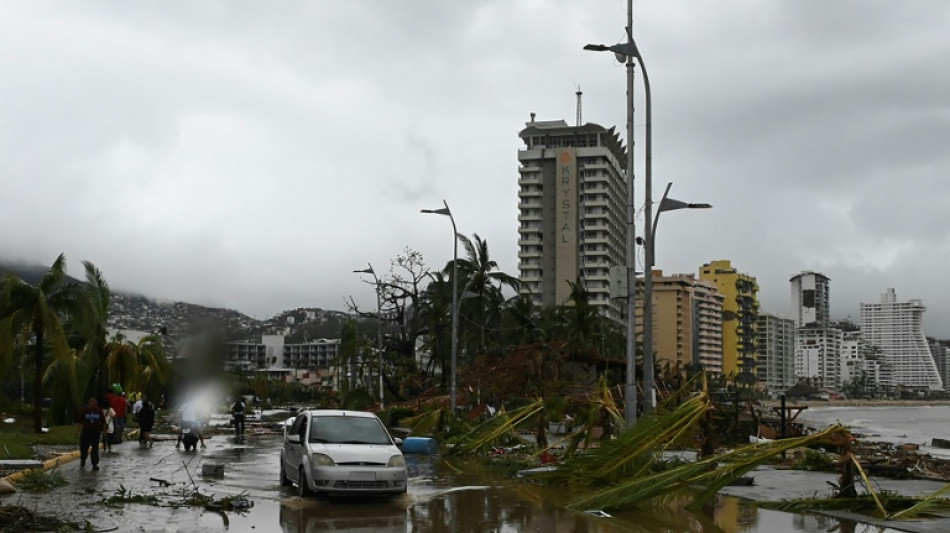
136 407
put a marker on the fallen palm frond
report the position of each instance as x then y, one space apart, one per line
929 505
707 475
602 411
425 423
633 453
503 425
862 504
885 505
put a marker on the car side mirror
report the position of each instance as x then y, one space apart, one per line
398 441
293 438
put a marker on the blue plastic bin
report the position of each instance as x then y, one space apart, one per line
420 445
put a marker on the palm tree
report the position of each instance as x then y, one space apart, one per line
137 366
478 270
436 313
38 312
154 368
524 321
94 330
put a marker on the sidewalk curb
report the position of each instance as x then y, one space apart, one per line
56 461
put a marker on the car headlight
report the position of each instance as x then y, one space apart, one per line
397 460
319 459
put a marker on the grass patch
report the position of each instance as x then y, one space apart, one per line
17 439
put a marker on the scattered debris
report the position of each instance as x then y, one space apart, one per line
123 496
209 470
940 443
16 519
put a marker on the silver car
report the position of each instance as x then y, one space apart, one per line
341 452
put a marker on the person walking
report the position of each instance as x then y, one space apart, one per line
90 425
146 418
136 407
120 405
109 429
238 412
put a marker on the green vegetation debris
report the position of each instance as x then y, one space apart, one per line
17 519
37 480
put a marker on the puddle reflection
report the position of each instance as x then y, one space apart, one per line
480 509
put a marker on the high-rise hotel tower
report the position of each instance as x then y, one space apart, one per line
896 329
572 212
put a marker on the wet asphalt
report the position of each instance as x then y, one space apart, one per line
442 498
249 468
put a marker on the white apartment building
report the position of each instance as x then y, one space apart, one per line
572 212
858 360
895 328
775 366
305 362
818 356
811 299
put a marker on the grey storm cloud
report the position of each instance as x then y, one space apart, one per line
251 155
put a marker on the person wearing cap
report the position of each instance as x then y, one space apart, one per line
120 405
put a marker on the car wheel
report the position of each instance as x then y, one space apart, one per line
303 488
284 480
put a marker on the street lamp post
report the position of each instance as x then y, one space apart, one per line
627 52
379 337
455 298
666 204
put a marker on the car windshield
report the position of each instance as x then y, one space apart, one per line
348 430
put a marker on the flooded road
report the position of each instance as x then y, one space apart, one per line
441 498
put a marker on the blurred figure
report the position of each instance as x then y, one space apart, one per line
189 432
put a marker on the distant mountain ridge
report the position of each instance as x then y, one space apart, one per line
179 319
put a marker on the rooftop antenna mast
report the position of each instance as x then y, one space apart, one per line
579 94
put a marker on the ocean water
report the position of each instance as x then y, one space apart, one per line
895 424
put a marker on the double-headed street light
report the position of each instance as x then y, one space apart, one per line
455 297
627 52
666 204
379 336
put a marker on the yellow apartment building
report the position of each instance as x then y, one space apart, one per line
740 311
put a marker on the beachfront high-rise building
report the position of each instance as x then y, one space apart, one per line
818 356
895 329
811 302
941 353
687 325
775 367
860 370
740 312
818 345
572 212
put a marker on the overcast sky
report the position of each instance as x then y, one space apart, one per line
250 155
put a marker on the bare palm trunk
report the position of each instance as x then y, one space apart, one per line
38 382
